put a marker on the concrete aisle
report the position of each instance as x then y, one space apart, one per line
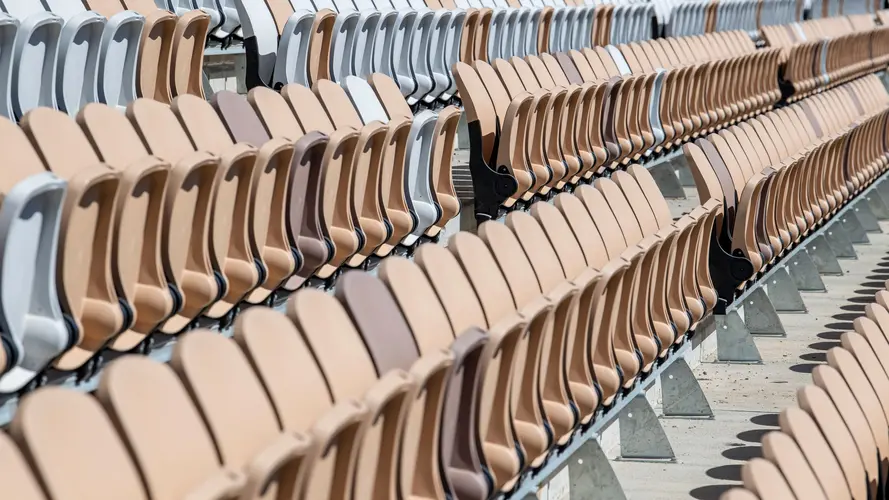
746 398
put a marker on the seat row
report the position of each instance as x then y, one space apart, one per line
417 43
224 20
812 66
784 173
815 30
833 8
697 17
833 442
119 226
62 54
452 373
540 124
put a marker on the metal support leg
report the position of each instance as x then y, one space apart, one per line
734 344
681 392
782 292
877 204
804 272
867 218
641 435
882 187
666 180
819 249
587 474
839 242
760 315
850 224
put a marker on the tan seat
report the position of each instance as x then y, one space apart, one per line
191 265
338 164
18 477
164 432
267 229
462 457
90 228
304 192
351 374
238 414
141 250
70 461
277 352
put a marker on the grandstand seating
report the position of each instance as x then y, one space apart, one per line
138 212
830 445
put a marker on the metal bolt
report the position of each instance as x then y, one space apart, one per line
629 415
751 302
670 377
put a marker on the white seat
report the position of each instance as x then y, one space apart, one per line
8 29
30 215
80 52
452 50
366 38
439 47
275 60
231 20
35 54
419 162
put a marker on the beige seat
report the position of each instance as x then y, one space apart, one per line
140 248
279 355
191 266
267 227
305 228
165 433
238 414
462 457
338 164
350 374
171 58
86 458
89 230
17 475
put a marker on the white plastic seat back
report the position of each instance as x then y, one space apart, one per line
261 41
365 100
388 29
345 30
419 50
496 33
30 215
292 65
9 27
80 46
654 108
438 63
452 50
35 55
619 60
419 158
368 28
119 58
231 19
405 27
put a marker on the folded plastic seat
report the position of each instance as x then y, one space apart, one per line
34 329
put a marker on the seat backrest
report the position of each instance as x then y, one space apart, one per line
72 460
89 221
29 252
18 479
228 395
164 431
279 355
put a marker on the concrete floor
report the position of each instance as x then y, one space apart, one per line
746 398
